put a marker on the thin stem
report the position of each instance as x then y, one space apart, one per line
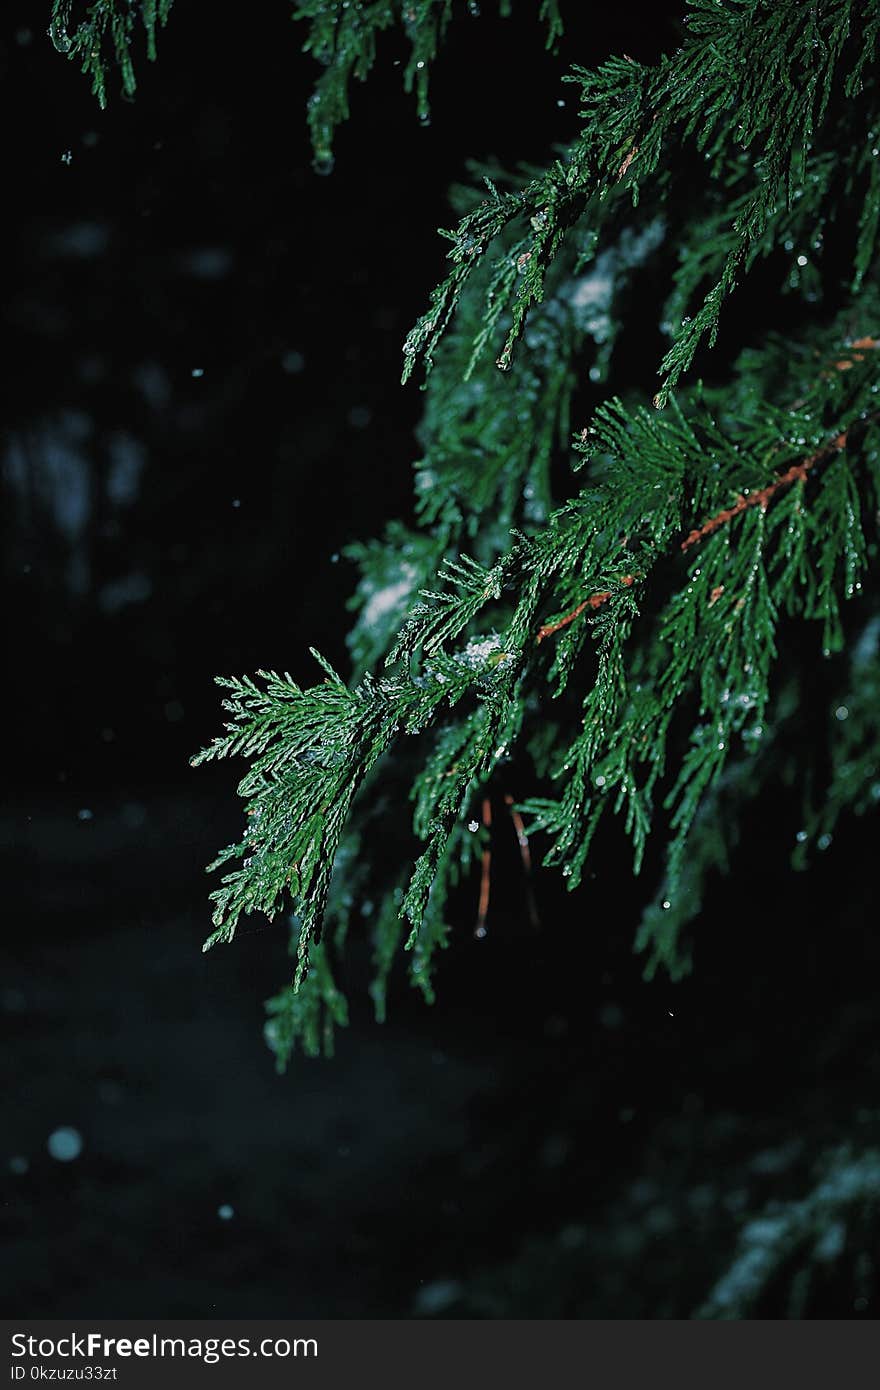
522 840
594 601
796 473
485 876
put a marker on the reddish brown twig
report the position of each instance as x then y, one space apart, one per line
485 876
843 364
522 840
626 163
594 601
796 473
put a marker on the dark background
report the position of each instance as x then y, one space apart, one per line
555 1137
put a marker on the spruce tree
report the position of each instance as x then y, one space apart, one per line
626 593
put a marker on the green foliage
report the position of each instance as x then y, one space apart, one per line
103 36
306 1015
750 94
343 37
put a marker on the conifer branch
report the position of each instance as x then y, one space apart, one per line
344 37
103 36
797 472
786 66
669 711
